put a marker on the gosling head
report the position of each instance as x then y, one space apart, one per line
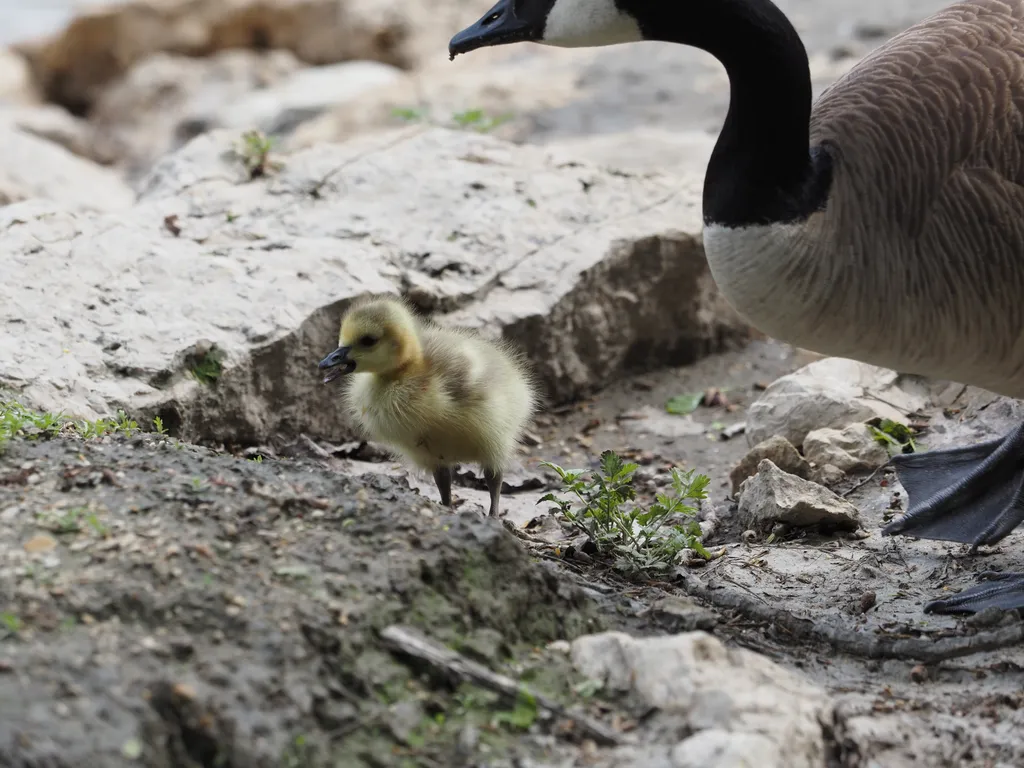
563 23
377 336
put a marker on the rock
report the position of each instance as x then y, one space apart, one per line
50 122
833 392
36 168
165 100
16 86
773 496
211 300
656 421
827 475
436 94
852 449
718 707
280 109
103 43
779 451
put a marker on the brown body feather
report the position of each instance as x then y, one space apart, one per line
917 262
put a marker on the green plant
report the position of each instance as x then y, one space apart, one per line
255 154
11 623
479 120
158 426
893 435
18 421
522 715
206 368
639 539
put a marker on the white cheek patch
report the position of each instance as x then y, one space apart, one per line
588 23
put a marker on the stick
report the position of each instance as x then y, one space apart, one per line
857 643
413 644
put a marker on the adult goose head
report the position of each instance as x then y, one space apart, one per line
883 223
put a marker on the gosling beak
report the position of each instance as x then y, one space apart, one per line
337 364
496 27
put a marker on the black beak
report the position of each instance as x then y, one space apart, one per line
496 27
337 364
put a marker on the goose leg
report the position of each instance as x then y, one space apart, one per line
493 479
443 481
972 495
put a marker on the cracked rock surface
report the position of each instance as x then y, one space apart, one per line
592 273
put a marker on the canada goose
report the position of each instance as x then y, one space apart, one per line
886 224
439 396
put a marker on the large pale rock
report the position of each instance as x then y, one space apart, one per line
16 86
833 392
304 95
107 39
773 496
33 167
712 706
492 83
166 100
853 449
591 273
57 125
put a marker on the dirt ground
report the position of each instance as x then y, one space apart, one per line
162 604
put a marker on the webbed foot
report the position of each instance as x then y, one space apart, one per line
1000 590
973 495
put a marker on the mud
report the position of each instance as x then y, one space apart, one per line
162 604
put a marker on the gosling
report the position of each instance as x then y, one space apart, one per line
439 396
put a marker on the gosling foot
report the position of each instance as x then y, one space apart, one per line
493 479
998 590
443 481
972 495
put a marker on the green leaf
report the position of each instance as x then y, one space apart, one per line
681 405
611 464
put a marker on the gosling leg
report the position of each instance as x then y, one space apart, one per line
443 480
493 479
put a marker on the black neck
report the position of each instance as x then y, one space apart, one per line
763 169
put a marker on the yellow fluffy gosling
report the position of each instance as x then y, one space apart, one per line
439 396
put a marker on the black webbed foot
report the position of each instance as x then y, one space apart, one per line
999 590
972 495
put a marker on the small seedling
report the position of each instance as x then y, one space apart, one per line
408 114
158 426
478 120
893 435
640 540
255 154
18 421
207 367
522 715
11 623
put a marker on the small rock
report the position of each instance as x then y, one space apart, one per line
852 449
919 674
752 711
827 475
677 614
654 421
832 392
779 451
775 496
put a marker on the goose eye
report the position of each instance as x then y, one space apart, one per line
367 341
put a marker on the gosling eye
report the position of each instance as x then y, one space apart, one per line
367 341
